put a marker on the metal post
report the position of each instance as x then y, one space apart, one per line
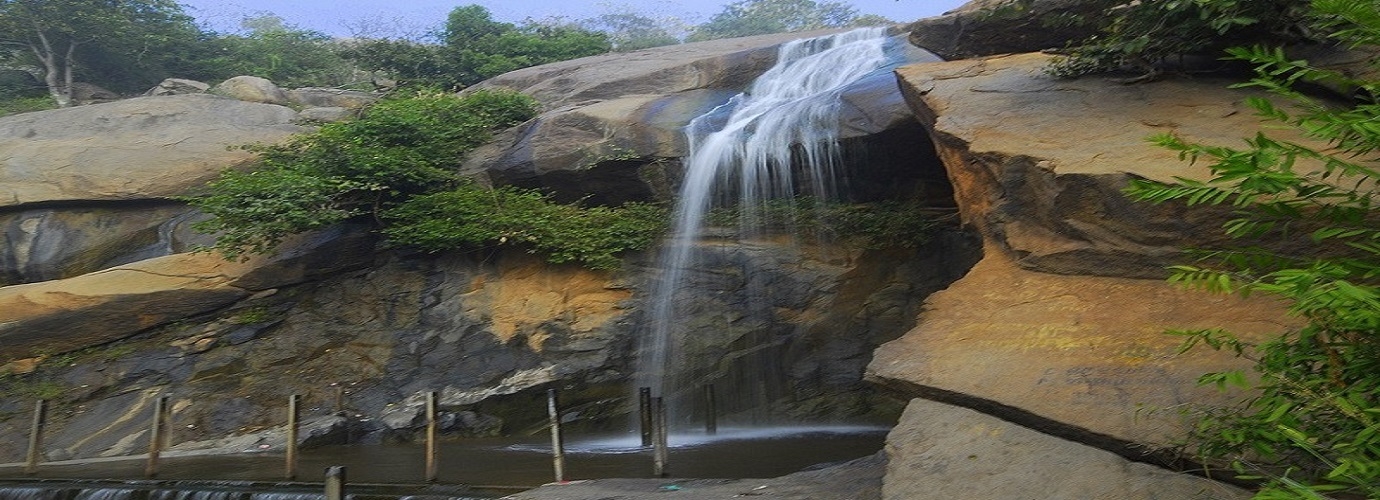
36 437
294 411
644 412
156 435
431 410
335 482
659 452
711 411
340 398
557 444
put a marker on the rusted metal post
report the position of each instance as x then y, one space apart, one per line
294 411
335 482
36 437
644 413
157 431
659 451
339 398
711 411
431 422
557 443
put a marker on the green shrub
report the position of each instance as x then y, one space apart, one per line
14 106
1313 428
1144 36
396 166
472 216
400 148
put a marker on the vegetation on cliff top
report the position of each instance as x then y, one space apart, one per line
1313 428
1149 36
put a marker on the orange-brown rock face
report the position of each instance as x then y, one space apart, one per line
1073 355
1061 326
1038 163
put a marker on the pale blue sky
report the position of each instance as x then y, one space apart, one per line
341 17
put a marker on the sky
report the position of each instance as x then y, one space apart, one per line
393 17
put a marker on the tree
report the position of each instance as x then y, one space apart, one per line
484 47
474 47
272 49
629 31
759 17
64 37
1313 428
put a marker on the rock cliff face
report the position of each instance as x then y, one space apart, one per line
329 313
1060 327
1048 325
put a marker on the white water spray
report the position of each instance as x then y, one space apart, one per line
778 140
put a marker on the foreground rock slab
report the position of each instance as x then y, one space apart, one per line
1084 357
944 452
859 479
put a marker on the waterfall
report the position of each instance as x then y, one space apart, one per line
776 141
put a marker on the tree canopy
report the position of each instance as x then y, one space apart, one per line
474 47
758 17
124 42
272 49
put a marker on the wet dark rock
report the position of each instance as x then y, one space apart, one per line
989 27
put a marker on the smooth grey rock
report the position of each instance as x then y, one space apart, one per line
176 86
134 149
614 124
943 452
252 89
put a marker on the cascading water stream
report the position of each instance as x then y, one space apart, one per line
778 140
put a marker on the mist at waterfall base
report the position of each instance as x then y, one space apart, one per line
776 142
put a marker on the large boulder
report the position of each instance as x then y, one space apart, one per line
939 452
47 243
1061 326
176 86
135 149
252 89
1085 358
611 123
86 188
989 27
96 308
1038 163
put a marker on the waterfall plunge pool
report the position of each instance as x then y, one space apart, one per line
734 453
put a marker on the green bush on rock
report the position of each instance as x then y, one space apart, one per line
1313 427
396 166
472 216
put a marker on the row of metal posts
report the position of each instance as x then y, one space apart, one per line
652 413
